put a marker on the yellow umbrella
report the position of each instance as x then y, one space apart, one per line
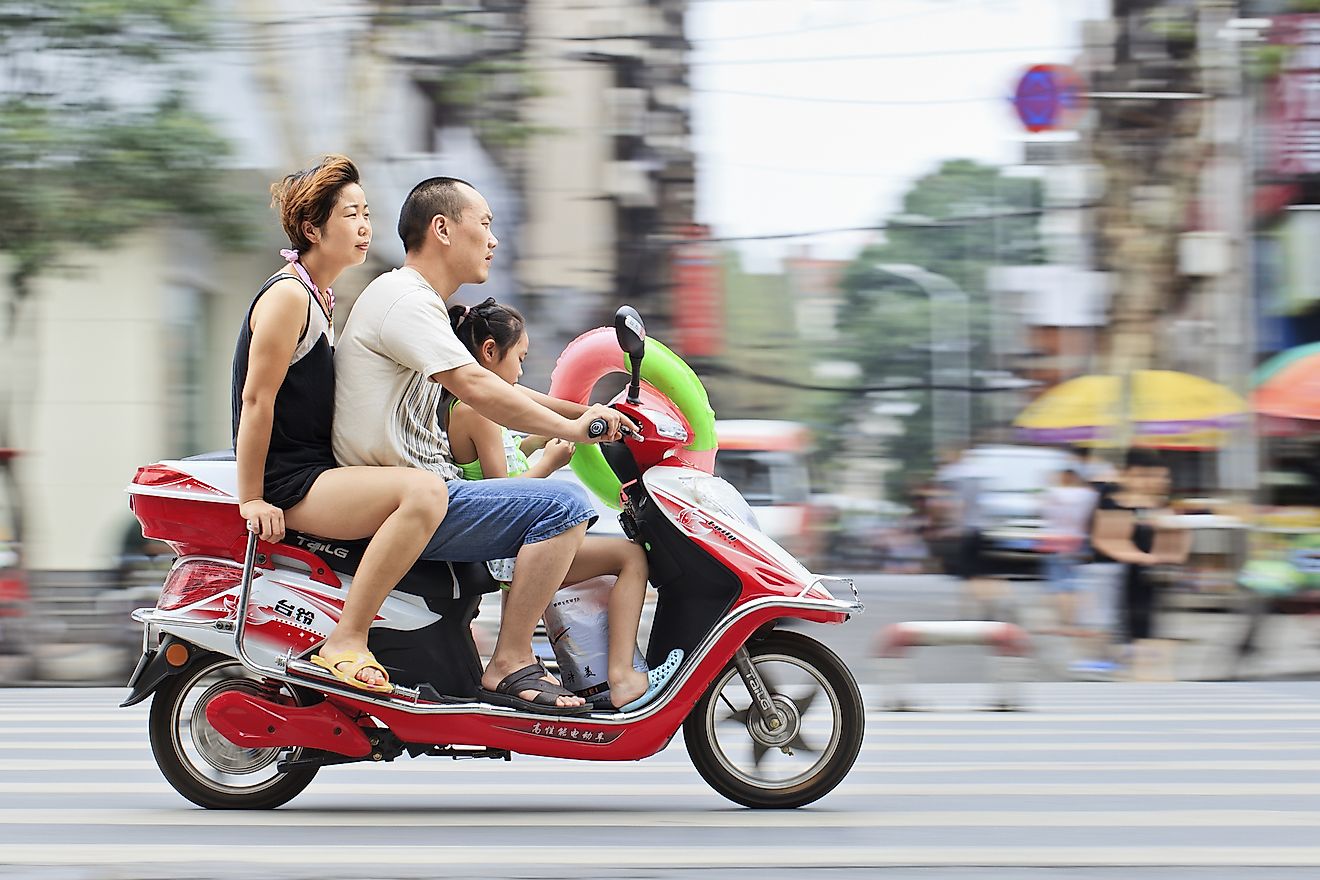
1165 408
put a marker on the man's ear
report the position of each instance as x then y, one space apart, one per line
440 226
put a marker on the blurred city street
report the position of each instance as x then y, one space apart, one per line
1006 310
1128 780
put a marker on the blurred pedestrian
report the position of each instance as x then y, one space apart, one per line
984 595
1131 529
1067 509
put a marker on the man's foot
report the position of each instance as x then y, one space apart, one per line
495 680
545 698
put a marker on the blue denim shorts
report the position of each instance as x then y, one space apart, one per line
493 519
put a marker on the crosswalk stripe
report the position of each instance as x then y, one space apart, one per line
875 730
1153 745
567 767
583 788
665 818
668 857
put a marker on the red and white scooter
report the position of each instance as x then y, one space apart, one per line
241 719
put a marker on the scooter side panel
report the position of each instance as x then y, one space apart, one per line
583 738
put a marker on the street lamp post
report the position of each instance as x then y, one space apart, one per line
950 344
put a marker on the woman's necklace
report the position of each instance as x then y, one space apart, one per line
326 300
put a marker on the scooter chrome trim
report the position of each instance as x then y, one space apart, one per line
822 578
409 699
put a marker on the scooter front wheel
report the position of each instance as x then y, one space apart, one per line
205 767
808 751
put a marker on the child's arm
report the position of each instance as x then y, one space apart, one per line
533 442
556 455
489 441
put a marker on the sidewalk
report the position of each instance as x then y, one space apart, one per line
1203 643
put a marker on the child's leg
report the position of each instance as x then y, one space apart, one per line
623 558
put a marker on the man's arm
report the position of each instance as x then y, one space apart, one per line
566 408
503 404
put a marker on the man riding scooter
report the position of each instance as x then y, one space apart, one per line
396 354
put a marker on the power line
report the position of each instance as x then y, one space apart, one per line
778 381
876 102
920 13
882 56
943 223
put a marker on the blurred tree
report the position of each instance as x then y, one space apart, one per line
96 136
957 222
97 139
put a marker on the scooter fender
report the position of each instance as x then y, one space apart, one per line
171 657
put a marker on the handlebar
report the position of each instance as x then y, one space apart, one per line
598 427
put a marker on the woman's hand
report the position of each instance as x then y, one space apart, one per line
557 453
266 520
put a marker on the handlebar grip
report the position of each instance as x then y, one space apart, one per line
597 428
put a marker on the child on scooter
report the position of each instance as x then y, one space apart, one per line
497 337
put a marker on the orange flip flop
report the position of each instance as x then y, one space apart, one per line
360 660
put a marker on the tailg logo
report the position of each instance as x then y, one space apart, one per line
322 547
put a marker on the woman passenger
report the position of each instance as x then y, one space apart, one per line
283 401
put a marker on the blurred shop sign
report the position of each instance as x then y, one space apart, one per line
1051 152
698 295
1294 101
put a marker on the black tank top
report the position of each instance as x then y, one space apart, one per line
300 446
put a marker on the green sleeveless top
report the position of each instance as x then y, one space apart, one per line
514 458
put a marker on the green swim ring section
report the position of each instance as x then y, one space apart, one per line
668 374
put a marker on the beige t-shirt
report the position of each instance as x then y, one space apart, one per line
387 410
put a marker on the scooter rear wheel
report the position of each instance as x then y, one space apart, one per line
821 717
201 764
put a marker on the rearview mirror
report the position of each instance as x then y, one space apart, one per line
631 333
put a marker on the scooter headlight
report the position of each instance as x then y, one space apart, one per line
719 496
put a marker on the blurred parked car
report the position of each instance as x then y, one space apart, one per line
1011 483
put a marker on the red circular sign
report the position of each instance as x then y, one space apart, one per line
1048 97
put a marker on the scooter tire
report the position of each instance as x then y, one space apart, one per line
712 759
186 769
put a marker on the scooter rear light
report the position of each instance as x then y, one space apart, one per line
195 581
161 476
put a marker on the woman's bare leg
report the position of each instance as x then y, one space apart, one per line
618 556
399 509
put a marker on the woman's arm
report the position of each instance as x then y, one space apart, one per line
1172 545
278 319
1112 536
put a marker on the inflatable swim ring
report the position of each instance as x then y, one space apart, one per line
596 354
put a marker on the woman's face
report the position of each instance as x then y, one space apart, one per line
346 234
509 367
1152 482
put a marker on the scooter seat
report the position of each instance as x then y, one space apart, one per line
430 579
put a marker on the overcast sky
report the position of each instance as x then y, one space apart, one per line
884 91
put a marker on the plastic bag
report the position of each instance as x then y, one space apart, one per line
577 624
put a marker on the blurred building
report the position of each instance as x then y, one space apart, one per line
572 122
